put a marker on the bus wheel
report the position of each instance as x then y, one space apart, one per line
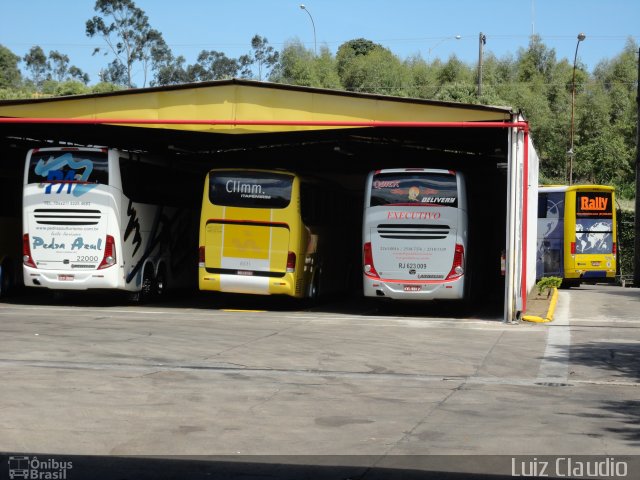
569 283
4 281
146 289
7 279
314 288
161 282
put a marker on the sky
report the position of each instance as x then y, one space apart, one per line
407 27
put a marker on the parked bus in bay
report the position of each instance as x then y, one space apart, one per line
272 232
415 234
577 233
99 218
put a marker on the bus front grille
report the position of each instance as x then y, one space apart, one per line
413 232
64 216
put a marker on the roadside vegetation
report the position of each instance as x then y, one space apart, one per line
531 80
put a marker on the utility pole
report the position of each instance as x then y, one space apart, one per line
481 43
636 243
581 37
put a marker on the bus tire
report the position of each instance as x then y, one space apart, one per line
314 287
161 282
5 279
146 289
569 283
58 296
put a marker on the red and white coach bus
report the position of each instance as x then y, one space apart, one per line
415 234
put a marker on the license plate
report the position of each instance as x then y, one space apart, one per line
595 264
247 273
412 288
65 278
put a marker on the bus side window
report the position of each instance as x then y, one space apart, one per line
316 204
159 184
136 184
128 176
542 205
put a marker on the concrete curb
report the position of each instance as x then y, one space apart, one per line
550 311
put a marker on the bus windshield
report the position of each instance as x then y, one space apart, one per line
407 188
250 189
79 166
594 222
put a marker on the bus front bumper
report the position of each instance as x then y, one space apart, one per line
107 278
249 284
451 290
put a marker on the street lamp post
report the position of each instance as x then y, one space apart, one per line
581 37
481 44
315 45
457 37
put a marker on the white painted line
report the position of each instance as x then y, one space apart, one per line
554 367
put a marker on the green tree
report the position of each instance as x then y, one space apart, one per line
61 70
536 60
263 56
295 66
170 71
76 74
537 85
10 76
348 51
213 65
59 65
380 71
70 87
364 66
603 159
325 68
37 64
115 73
608 120
423 82
298 65
126 30
105 87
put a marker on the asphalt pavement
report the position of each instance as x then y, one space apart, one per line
374 392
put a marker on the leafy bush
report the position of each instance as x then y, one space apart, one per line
548 283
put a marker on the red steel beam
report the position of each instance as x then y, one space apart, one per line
297 123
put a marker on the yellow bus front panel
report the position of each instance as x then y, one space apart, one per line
590 233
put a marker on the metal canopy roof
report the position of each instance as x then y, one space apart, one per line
240 106
243 100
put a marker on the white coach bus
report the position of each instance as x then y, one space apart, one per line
98 218
415 231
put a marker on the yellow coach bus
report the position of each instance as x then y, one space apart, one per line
271 232
577 233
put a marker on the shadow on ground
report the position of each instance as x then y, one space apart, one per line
346 304
247 467
621 359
